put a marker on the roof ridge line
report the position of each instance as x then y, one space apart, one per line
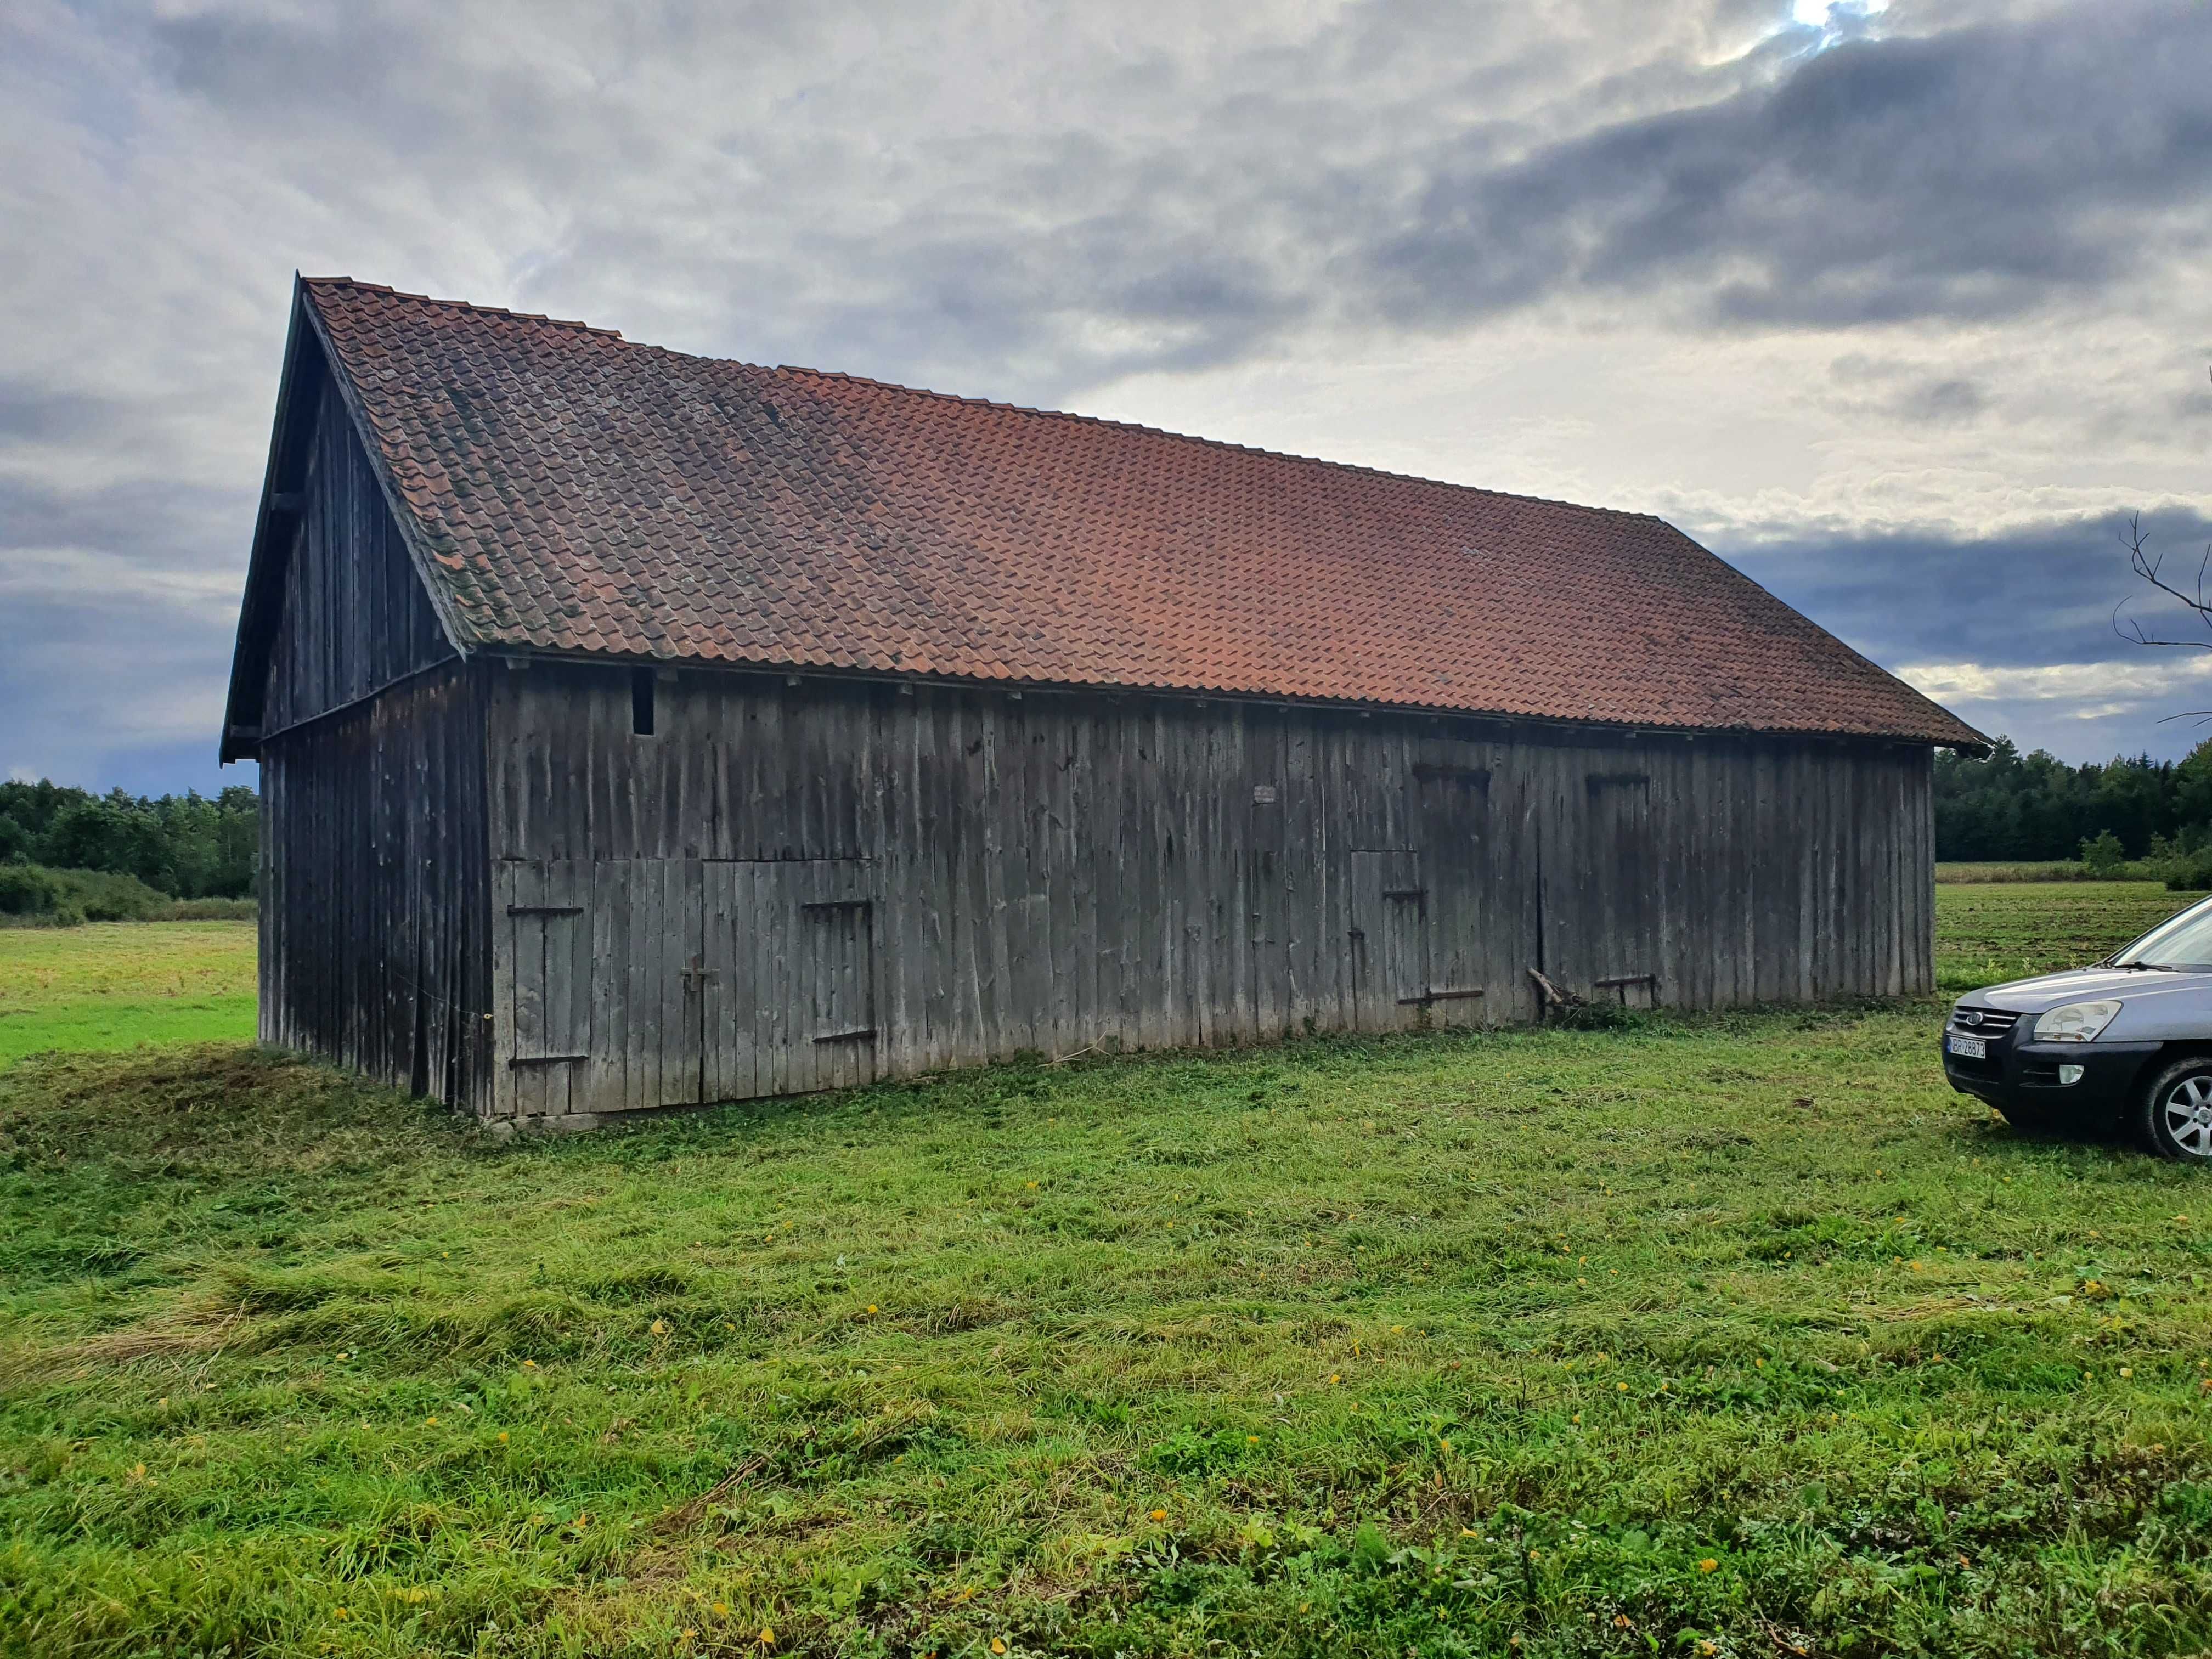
466 305
1181 437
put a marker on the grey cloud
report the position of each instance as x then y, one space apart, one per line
1942 402
1966 175
2042 595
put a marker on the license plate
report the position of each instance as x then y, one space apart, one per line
1970 1048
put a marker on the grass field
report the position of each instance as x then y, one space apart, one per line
118 984
1739 1335
1987 931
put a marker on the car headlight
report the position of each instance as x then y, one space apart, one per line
2077 1021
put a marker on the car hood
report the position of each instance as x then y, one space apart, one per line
2138 986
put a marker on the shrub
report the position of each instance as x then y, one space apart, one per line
26 890
2102 853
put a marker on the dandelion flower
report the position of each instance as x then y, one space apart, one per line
721 1609
503 1436
1708 1565
1159 1515
527 1364
430 1422
340 1612
872 1307
768 1636
998 1644
1622 1387
1251 1439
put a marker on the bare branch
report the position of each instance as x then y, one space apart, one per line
2150 567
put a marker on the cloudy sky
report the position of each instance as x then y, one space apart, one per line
1902 309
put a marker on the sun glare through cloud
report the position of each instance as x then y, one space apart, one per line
1834 13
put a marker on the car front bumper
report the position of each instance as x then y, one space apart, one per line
2028 1073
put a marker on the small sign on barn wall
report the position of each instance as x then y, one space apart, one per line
1263 795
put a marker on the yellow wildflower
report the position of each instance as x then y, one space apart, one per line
1159 1515
660 1328
503 1436
1708 1565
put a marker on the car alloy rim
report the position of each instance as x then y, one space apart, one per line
2189 1116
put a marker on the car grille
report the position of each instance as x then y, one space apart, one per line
1995 1023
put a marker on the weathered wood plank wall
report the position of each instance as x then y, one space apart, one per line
374 909
355 617
1058 872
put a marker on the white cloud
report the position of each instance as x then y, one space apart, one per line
2097 688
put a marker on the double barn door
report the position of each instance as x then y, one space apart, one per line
631 983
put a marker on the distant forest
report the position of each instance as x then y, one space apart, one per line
187 846
2035 807
2011 806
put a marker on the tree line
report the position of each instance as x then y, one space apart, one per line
187 846
2036 808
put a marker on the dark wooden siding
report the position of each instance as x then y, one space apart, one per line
375 913
1058 872
355 617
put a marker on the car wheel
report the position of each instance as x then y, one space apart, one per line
2177 1112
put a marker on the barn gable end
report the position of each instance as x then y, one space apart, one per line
335 608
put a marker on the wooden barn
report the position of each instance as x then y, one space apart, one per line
638 729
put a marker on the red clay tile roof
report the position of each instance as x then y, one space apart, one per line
577 493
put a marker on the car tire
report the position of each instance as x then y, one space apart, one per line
2174 1117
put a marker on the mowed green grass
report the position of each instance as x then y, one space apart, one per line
1736 1335
119 984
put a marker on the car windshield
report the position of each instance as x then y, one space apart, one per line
2182 941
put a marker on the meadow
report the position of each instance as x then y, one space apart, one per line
108 984
1738 1335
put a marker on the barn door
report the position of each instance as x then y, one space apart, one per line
542 912
648 984
1389 940
1619 936
791 993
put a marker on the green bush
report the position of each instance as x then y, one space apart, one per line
65 898
26 890
2102 853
